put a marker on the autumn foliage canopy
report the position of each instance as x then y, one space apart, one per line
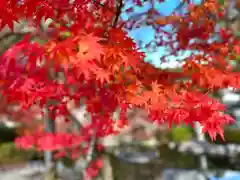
87 56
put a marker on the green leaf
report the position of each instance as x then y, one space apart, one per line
221 2
222 24
236 58
237 34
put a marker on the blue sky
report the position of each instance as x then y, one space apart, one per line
228 175
146 33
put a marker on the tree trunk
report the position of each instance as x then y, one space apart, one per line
50 163
107 169
201 137
51 173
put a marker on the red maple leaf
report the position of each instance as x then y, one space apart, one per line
88 58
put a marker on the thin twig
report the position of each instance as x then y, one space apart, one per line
118 12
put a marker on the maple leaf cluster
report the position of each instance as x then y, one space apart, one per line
88 57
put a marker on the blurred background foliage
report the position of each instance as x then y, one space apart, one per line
9 154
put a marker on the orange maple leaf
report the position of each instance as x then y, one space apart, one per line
131 60
156 87
133 88
2 82
164 20
60 51
102 75
86 68
89 48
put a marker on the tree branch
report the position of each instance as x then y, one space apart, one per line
118 12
